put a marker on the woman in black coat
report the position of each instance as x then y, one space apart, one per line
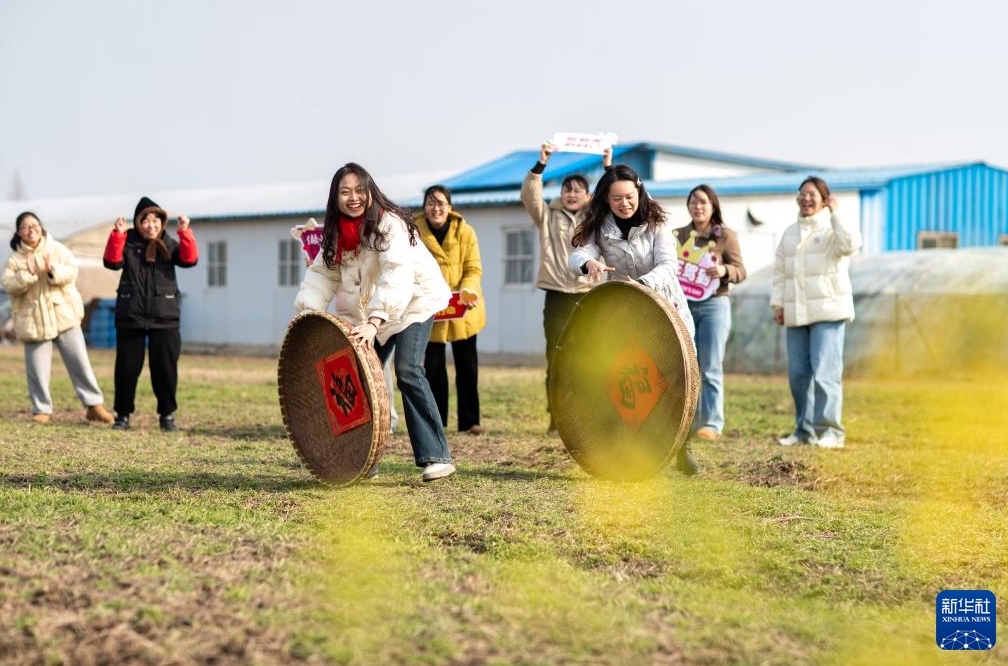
147 307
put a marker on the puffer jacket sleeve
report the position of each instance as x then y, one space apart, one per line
532 198
780 269
187 253
845 239
666 259
16 278
396 280
64 265
113 257
318 288
582 254
472 266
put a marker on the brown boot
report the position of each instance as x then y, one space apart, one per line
99 413
40 418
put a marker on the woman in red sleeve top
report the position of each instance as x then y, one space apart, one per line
147 307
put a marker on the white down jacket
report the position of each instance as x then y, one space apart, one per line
402 285
43 306
811 280
648 256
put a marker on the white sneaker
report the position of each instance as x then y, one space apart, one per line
790 440
437 471
830 441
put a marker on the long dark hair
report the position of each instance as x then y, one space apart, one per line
715 219
649 210
15 241
378 204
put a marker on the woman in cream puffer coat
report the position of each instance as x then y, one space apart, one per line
813 298
40 277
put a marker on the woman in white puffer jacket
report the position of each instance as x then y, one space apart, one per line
379 275
813 298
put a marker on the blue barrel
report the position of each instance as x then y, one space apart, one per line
100 330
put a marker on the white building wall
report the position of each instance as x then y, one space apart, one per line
776 212
251 310
675 167
514 312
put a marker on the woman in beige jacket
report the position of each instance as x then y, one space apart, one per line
453 244
40 278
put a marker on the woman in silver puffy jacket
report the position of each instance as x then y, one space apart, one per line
625 234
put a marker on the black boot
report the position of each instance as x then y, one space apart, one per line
167 423
685 462
121 422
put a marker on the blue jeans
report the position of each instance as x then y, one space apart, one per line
423 421
712 319
815 373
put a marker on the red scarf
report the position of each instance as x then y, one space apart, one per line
348 235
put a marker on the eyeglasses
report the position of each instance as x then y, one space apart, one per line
30 227
437 204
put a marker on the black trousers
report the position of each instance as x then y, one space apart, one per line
466 380
165 345
557 309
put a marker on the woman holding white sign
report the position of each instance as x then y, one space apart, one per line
709 260
452 243
556 221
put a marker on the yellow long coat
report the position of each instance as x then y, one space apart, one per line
459 260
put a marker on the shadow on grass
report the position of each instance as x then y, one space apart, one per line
516 474
243 432
148 481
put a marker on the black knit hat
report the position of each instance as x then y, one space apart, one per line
147 206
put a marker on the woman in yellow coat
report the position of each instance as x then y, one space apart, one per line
453 243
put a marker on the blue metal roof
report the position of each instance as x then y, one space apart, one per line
508 172
840 180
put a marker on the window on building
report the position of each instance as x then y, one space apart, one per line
217 264
929 240
289 262
519 256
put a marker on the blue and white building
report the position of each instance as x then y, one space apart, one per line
240 294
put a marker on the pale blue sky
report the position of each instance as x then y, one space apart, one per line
110 96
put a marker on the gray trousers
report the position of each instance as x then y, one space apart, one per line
38 364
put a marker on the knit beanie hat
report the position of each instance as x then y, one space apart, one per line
147 206
155 246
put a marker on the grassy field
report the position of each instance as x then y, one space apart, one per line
215 546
